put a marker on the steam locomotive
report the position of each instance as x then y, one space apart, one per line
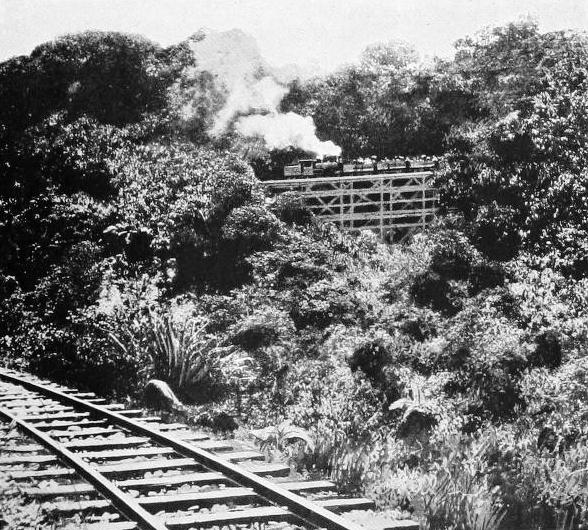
333 166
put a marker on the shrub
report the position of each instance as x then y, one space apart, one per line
373 358
495 232
298 260
262 328
254 334
189 249
330 401
246 229
370 358
418 328
504 301
230 184
415 324
12 306
215 416
325 303
136 242
419 416
429 289
485 276
489 372
251 228
71 285
547 351
82 354
75 156
452 256
289 207
224 311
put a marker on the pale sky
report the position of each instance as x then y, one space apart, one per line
327 33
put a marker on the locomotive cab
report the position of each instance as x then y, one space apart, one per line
307 167
310 167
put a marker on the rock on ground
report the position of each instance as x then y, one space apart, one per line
159 395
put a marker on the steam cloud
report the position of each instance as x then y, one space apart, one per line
253 94
261 96
280 131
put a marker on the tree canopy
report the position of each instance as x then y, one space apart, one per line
113 77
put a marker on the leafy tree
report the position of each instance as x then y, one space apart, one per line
520 176
179 198
389 104
113 77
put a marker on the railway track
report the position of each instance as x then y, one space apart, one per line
122 469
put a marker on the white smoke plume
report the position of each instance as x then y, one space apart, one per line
280 131
260 96
253 93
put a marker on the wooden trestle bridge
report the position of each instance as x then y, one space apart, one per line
394 205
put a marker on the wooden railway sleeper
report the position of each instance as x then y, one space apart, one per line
245 485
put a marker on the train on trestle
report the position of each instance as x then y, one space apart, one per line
333 166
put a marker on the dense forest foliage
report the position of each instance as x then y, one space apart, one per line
446 378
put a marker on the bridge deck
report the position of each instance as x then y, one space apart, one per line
392 204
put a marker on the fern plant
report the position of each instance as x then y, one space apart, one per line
277 438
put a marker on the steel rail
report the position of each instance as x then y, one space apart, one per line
307 511
119 499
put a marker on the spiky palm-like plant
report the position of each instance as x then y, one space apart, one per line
182 353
